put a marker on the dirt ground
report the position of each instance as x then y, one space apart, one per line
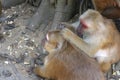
17 46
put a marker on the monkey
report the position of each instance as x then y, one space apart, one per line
64 62
100 38
109 8
118 2
108 12
100 5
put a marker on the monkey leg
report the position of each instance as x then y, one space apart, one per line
105 66
39 71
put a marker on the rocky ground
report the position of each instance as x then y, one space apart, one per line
18 47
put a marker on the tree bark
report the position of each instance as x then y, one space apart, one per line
35 3
65 9
84 5
43 16
52 11
10 3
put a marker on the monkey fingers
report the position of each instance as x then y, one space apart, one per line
63 25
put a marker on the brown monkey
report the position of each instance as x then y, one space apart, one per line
100 5
109 8
64 62
111 12
101 40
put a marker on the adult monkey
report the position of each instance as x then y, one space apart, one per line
100 38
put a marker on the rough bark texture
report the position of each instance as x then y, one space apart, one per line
84 5
35 3
65 9
42 17
53 12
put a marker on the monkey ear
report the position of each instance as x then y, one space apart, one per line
60 45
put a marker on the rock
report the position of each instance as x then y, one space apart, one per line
9 26
6 73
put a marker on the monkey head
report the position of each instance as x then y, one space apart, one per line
92 22
54 41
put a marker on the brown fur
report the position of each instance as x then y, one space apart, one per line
100 5
109 8
100 38
112 12
64 62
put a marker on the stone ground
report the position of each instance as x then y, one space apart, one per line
17 48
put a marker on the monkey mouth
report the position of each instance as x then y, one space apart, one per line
79 31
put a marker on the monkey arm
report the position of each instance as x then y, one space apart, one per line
78 42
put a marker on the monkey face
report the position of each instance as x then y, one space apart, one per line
90 22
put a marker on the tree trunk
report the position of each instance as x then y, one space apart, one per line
9 3
65 9
84 5
43 16
52 11
35 3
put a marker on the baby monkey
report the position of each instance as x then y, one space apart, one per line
101 39
64 62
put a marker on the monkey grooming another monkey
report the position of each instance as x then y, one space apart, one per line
101 39
66 63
